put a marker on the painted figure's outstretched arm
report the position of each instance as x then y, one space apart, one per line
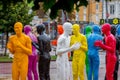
61 49
106 47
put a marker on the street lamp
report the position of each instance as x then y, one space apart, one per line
107 15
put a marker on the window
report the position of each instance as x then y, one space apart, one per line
84 9
84 18
97 17
112 9
97 6
119 9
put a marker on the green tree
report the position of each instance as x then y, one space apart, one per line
12 11
56 5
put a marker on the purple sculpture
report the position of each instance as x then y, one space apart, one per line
32 58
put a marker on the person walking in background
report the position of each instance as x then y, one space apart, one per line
93 53
32 58
63 47
44 55
88 31
79 55
19 45
110 47
116 33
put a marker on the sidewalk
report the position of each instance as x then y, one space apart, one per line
5 69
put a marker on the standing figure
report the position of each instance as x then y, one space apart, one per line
117 36
59 31
32 58
88 31
19 45
63 47
79 55
44 55
110 47
93 53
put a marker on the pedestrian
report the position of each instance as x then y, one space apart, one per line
32 58
44 55
19 45
110 47
63 47
93 53
79 55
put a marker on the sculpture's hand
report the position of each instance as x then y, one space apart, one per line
98 43
76 46
18 43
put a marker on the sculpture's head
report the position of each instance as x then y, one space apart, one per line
67 27
60 29
18 26
106 28
88 29
76 29
27 29
40 28
96 29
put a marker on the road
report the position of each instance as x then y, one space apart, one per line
5 69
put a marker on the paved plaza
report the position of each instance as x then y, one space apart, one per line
5 69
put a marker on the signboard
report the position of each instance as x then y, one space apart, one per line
114 21
102 21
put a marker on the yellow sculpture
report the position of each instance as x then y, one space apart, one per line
19 45
78 63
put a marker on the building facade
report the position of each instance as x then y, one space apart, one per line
99 10
91 13
113 9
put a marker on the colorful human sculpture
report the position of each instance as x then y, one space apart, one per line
63 47
44 49
88 31
32 58
116 33
93 53
19 45
79 56
110 47
60 29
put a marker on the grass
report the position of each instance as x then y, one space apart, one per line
7 59
54 58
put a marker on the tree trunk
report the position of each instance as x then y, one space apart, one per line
5 53
2 41
64 16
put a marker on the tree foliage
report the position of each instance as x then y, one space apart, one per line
56 5
12 11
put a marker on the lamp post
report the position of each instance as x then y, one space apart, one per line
102 7
107 15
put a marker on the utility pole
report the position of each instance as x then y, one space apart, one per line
107 15
102 7
89 11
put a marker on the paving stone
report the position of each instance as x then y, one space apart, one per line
5 69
